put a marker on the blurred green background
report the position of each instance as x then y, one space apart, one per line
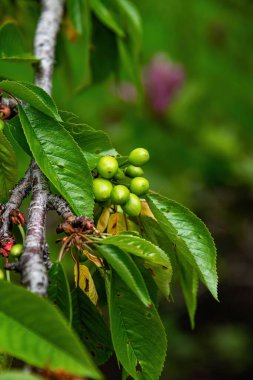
201 155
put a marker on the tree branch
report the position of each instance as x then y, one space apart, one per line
45 41
33 262
34 272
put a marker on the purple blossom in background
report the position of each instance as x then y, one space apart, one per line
162 79
125 91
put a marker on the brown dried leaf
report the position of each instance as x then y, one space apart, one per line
145 210
86 282
116 224
96 260
103 220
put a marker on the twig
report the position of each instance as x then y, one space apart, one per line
58 204
20 191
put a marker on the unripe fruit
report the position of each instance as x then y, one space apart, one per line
16 250
133 205
119 174
107 166
1 124
138 157
1 275
134 171
139 185
102 189
120 194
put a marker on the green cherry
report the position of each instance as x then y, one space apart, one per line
139 185
1 124
107 166
1 275
138 157
120 194
133 205
134 171
102 189
16 250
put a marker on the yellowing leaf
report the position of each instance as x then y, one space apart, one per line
145 210
96 260
116 224
132 226
86 282
103 220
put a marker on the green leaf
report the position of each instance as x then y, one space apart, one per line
131 17
12 46
162 277
18 375
139 247
126 268
189 235
60 159
91 327
129 63
105 15
75 10
34 331
188 278
137 332
58 291
33 95
104 49
89 139
8 168
152 231
15 131
25 58
11 42
155 258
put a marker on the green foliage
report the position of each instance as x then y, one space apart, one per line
75 11
17 375
59 158
189 282
155 259
139 257
126 268
137 332
89 139
8 167
32 330
15 131
33 95
190 236
91 327
59 291
12 46
106 17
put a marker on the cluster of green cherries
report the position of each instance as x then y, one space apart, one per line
108 187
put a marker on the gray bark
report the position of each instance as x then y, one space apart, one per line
33 263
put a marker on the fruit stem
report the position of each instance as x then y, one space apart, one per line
60 256
22 232
126 223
